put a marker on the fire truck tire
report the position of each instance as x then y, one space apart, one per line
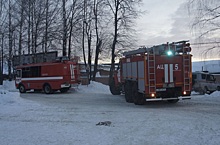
113 89
201 91
206 90
128 92
64 90
22 88
47 89
137 97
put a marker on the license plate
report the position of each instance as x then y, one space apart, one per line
160 90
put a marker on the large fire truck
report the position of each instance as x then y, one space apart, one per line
162 72
47 76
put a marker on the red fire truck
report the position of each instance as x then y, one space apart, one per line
161 72
47 76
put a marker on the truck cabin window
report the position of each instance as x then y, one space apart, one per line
210 78
194 76
18 73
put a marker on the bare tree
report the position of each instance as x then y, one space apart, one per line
83 31
1 64
29 26
123 13
74 22
46 26
88 30
22 7
10 31
98 11
64 29
2 41
206 22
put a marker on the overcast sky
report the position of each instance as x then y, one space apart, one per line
166 21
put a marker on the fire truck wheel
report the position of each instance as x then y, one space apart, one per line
206 90
201 91
113 89
128 91
137 97
22 88
47 89
64 90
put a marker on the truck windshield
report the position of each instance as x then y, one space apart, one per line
210 78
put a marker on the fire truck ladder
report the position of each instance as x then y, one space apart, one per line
186 70
151 72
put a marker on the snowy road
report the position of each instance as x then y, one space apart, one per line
71 118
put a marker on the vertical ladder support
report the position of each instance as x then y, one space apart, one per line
186 71
151 72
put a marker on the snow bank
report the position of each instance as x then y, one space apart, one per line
8 92
94 87
214 94
8 85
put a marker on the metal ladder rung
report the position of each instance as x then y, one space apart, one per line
151 73
152 79
186 64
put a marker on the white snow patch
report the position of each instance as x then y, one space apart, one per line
214 94
94 87
8 92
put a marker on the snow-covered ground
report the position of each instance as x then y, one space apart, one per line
92 116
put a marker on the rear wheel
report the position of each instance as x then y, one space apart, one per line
22 88
128 92
137 97
202 92
64 90
47 89
206 90
113 89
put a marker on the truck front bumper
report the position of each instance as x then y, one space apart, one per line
165 99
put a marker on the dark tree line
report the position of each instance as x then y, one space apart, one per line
88 28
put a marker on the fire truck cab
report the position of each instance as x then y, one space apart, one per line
161 72
47 76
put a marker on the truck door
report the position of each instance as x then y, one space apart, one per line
210 79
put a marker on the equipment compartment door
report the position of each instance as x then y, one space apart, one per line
141 81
